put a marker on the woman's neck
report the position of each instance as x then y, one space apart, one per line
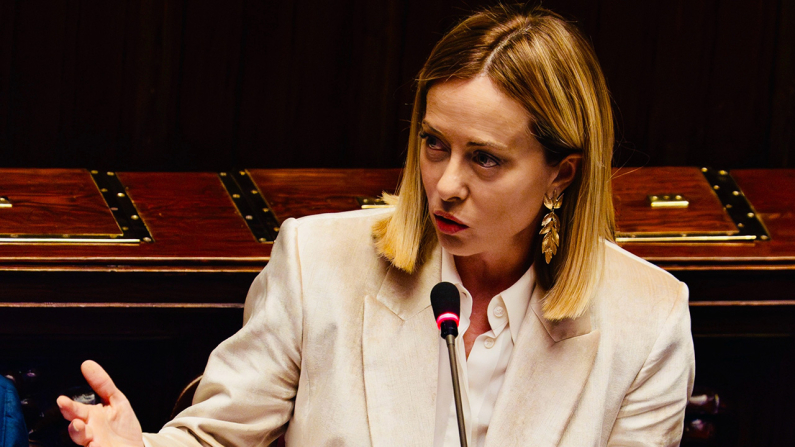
484 278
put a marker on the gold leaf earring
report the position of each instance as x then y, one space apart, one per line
550 226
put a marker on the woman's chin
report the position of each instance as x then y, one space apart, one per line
454 244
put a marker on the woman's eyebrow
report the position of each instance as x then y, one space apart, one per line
473 143
489 144
431 128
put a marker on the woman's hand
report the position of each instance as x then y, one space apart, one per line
110 424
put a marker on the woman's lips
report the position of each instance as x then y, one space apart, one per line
448 224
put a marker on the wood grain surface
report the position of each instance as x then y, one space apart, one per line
301 192
53 202
190 216
196 226
634 215
772 193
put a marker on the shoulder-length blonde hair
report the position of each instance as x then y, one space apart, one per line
544 63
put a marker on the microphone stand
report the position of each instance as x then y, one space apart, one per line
459 409
446 302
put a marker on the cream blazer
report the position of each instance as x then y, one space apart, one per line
341 349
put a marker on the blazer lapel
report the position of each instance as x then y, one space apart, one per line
400 352
548 369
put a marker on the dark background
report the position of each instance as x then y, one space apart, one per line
208 85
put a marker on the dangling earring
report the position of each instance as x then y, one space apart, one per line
550 226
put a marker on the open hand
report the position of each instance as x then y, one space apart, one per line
110 424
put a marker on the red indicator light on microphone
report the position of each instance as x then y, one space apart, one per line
446 303
447 316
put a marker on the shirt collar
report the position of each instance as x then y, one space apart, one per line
516 298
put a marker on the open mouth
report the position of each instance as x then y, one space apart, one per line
448 225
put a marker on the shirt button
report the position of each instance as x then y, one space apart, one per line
499 311
489 343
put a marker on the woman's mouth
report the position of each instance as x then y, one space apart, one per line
448 224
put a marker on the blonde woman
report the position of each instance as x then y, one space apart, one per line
567 339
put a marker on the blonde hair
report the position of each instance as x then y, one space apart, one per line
544 63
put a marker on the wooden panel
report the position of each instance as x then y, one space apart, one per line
704 213
53 202
771 193
190 216
297 193
195 224
169 203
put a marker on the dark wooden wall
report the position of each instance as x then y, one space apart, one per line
199 85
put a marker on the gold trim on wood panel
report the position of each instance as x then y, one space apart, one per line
623 238
65 239
371 202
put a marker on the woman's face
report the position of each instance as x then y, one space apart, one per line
484 173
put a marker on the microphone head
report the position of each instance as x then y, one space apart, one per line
446 303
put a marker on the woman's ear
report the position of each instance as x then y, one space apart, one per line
567 171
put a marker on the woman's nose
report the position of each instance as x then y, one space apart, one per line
452 184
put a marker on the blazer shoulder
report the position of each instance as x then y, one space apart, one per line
343 225
624 266
340 242
634 290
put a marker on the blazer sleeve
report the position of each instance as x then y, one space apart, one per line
246 396
652 413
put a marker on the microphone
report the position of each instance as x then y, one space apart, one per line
446 303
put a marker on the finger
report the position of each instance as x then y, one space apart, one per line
100 381
72 410
80 432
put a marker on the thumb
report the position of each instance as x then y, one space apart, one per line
100 381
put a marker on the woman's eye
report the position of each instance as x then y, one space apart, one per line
485 160
431 141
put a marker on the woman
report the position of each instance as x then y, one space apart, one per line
568 339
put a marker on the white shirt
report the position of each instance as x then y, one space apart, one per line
482 374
